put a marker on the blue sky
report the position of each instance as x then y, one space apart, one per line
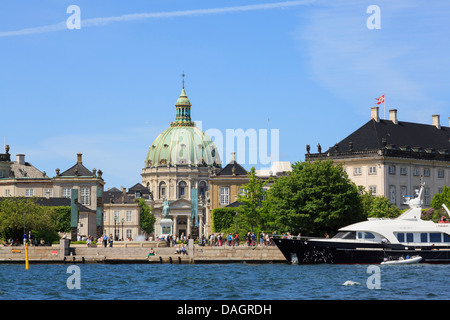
310 69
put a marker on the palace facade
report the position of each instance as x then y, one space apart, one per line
389 157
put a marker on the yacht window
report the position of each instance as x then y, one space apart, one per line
435 237
409 237
350 235
339 235
424 237
369 235
401 237
446 238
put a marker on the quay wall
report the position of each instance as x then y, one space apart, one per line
137 252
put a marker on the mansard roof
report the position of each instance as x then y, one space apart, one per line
228 170
377 135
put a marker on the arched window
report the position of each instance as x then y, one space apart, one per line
182 188
202 188
162 190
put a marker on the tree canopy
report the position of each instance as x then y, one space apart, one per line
315 198
19 215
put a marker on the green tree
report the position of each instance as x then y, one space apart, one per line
61 218
147 218
19 213
377 206
252 200
316 197
441 198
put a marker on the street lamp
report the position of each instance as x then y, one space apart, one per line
115 231
122 221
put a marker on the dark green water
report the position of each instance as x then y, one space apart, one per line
223 282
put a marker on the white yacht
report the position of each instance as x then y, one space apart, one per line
374 240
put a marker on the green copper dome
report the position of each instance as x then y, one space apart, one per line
182 143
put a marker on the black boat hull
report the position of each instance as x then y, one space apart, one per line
313 251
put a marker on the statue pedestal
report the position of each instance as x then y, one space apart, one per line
166 227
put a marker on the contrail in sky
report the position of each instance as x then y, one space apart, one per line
141 16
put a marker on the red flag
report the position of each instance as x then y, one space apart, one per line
380 99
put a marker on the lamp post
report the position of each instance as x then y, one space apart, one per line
122 221
115 231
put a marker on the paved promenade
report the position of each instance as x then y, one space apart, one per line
138 252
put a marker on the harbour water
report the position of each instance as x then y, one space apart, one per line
223 282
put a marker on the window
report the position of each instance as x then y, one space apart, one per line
426 172
416 172
202 189
7 193
401 237
129 215
116 215
403 193
182 189
392 170
409 237
373 190
48 192
441 173
403 171
67 193
392 194
129 233
29 192
85 192
446 238
365 235
426 193
357 171
224 195
162 190
372 170
435 237
424 237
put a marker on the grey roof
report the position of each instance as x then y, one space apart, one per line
77 170
116 196
228 170
375 135
26 170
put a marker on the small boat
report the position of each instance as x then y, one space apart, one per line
401 260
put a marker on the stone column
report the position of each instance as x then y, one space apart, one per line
188 227
175 226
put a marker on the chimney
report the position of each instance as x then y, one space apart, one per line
374 114
436 121
79 158
20 158
393 116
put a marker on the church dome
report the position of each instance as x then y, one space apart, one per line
182 143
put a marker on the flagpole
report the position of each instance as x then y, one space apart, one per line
384 102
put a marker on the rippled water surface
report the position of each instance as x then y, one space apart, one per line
224 282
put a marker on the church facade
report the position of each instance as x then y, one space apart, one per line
177 169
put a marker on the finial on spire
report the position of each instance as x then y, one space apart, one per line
183 78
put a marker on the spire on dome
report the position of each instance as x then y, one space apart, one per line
183 109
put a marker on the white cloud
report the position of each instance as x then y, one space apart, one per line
141 16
